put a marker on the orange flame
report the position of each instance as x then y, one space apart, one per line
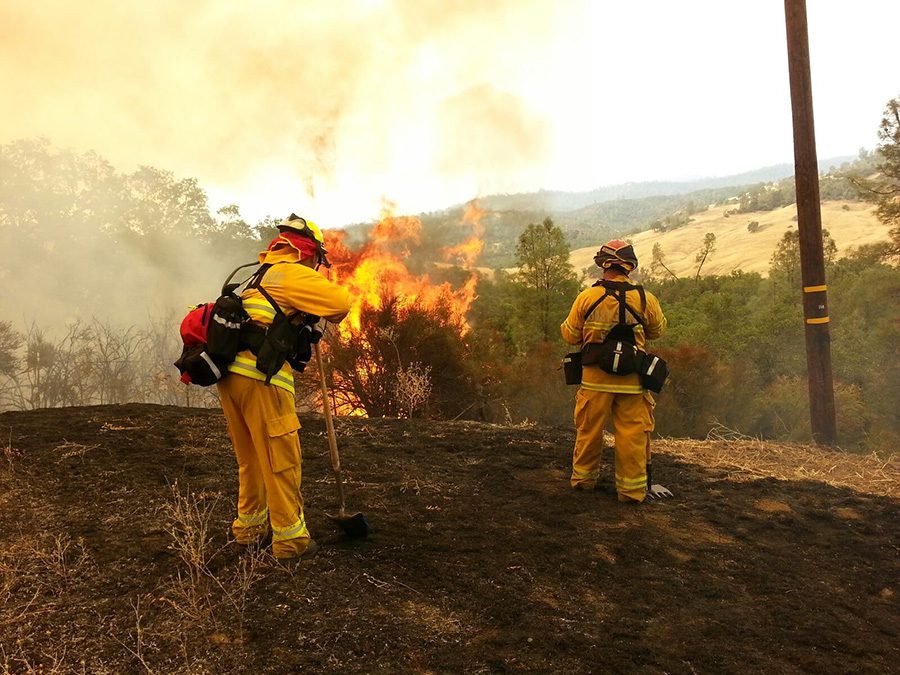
376 274
377 271
466 253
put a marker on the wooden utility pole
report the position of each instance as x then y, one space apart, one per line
809 222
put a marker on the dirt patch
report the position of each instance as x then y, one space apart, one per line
115 556
772 506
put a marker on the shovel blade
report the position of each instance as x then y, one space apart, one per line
355 526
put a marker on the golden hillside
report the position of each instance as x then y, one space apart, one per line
850 224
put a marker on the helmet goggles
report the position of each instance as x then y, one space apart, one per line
294 224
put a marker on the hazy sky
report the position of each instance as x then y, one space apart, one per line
330 108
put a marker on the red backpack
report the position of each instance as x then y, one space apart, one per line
211 336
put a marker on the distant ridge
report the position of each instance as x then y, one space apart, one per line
560 201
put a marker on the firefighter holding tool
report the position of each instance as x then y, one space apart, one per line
611 322
258 394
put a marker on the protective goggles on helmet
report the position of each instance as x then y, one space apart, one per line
301 226
616 252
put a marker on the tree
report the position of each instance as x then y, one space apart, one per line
707 248
10 341
888 183
884 186
785 261
160 204
658 261
547 279
404 360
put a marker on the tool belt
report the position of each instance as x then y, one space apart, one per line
616 355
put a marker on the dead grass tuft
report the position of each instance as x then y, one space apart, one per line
68 449
202 599
748 458
38 576
10 454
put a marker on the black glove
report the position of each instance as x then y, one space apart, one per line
314 335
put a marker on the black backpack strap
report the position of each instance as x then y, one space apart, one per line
257 277
256 283
637 316
623 305
594 306
622 287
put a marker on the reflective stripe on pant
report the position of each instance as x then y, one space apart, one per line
632 417
263 427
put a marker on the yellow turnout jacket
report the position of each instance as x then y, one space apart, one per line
576 330
294 287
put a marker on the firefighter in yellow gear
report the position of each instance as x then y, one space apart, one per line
262 419
603 395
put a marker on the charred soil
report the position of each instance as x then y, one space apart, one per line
116 556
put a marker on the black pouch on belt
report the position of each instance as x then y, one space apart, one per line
277 345
653 372
572 367
617 354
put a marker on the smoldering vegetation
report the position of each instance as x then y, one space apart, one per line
100 267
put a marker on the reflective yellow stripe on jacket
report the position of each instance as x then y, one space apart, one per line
594 379
245 364
262 313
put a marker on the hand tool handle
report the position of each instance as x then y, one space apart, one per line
329 426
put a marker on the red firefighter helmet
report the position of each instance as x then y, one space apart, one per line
616 253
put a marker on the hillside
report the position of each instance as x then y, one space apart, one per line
559 200
851 224
114 554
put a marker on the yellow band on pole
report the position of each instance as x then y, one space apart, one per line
823 319
815 289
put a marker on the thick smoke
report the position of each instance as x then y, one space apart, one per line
334 93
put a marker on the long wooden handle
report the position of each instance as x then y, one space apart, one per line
329 426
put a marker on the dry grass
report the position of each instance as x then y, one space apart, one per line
9 453
37 576
749 458
736 247
201 606
203 598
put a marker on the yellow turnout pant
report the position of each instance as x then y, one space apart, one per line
632 417
263 424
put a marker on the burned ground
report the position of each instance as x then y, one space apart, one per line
481 559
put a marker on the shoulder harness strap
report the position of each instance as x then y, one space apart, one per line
256 282
618 290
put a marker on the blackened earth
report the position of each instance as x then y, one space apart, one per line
481 558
